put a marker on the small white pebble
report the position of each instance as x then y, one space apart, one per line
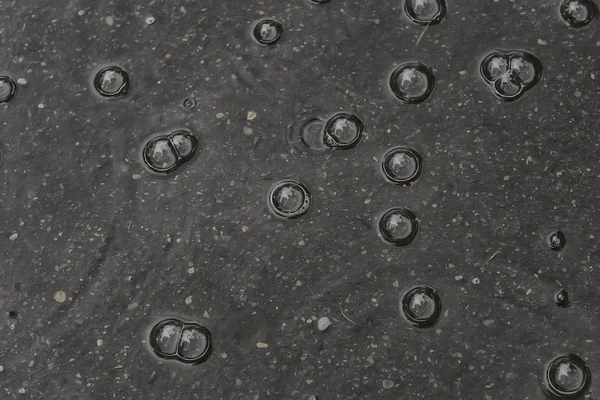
1 368
542 42
41 105
506 178
99 342
247 130
150 20
458 277
109 20
220 116
577 93
462 73
60 296
14 236
21 390
323 323
136 176
22 81
387 384
191 270
251 115
188 300
261 345
80 12
476 281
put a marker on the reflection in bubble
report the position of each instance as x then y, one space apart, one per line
425 12
567 377
165 337
557 241
578 13
422 306
8 88
398 226
289 199
268 32
185 143
112 81
401 165
412 83
160 155
562 298
343 131
193 343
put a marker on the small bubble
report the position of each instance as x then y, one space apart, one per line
7 89
412 83
13 314
562 298
195 344
422 306
188 104
160 155
557 241
522 69
185 144
268 32
578 13
495 66
508 86
425 12
343 131
398 226
401 165
289 199
164 338
567 377
112 81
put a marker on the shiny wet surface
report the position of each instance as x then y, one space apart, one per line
96 248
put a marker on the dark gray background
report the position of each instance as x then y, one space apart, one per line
119 240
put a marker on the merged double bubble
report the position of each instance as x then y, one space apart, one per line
340 131
166 153
187 342
511 73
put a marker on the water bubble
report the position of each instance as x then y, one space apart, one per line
578 13
164 338
425 12
422 306
562 298
13 314
268 32
398 226
401 165
195 344
112 81
184 143
508 86
412 83
7 89
343 131
160 155
557 241
289 199
523 69
567 377
188 104
494 66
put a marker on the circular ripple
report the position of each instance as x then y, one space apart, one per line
412 83
184 143
195 344
312 134
398 226
422 306
425 12
8 87
401 165
289 199
343 131
268 32
112 81
164 338
578 13
557 241
160 155
567 377
188 104
562 298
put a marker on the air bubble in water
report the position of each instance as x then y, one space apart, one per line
422 306
112 81
289 199
412 83
268 32
398 226
7 89
567 377
401 165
